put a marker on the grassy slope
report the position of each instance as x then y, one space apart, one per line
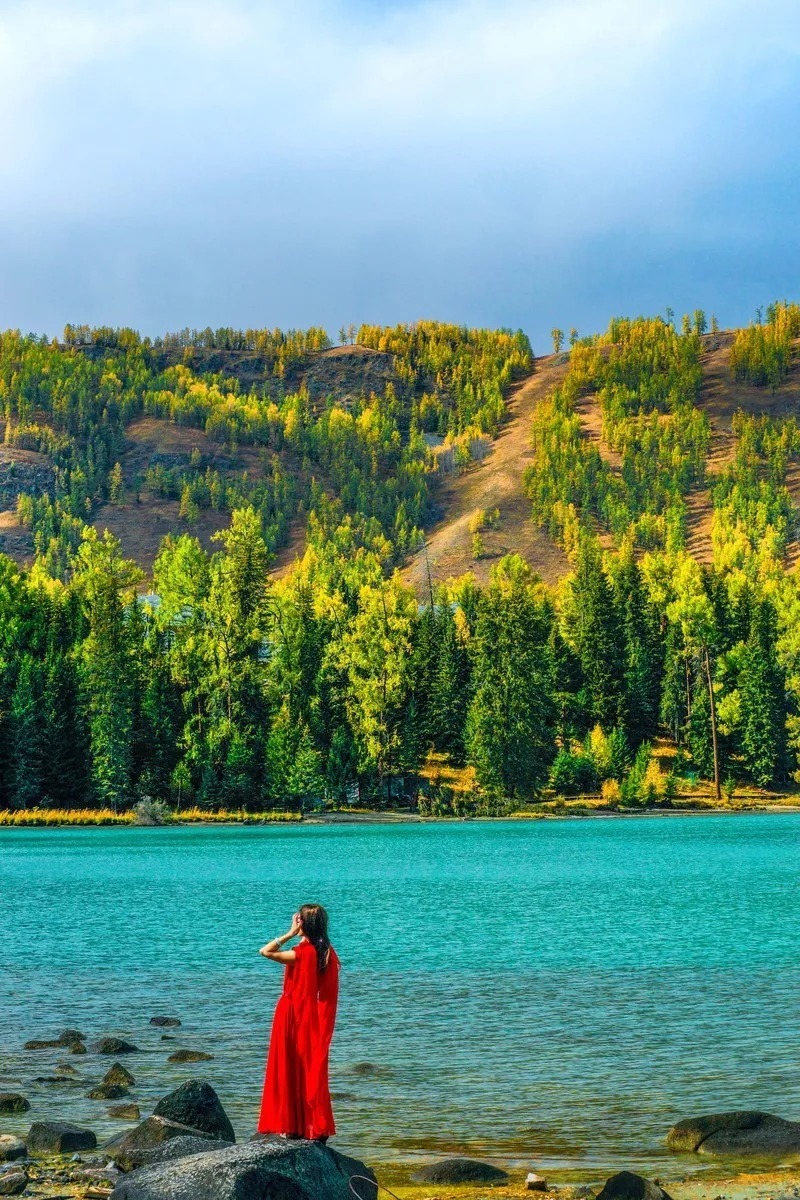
495 482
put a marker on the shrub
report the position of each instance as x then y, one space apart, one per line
573 773
152 812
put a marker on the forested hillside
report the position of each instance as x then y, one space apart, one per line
607 601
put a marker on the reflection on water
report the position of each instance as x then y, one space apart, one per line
555 991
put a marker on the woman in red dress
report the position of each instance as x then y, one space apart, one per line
296 1100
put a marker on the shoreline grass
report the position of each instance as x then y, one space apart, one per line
51 817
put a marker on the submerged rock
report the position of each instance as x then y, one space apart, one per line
36 1044
11 1148
59 1137
108 1091
118 1074
195 1103
124 1112
66 1068
186 1056
627 1186
113 1045
68 1037
744 1133
460 1170
13 1102
279 1168
369 1068
165 1022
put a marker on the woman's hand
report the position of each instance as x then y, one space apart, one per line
297 928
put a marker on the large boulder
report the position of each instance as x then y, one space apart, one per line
112 1045
12 1102
747 1133
460 1170
59 1137
195 1103
11 1148
627 1186
277 1168
176 1147
152 1132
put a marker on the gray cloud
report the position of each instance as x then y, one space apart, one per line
523 163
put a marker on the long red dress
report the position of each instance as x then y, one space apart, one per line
296 1099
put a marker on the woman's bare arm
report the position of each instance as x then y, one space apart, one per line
273 949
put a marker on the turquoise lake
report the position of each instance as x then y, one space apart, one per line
557 992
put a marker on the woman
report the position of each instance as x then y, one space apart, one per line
296 1101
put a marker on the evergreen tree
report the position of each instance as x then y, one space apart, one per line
599 640
763 700
28 743
510 735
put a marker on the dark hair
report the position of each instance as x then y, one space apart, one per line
314 922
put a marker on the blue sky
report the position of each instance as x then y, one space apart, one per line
181 162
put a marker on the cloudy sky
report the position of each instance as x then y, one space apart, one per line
502 162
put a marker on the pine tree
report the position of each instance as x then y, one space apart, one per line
510 733
763 700
600 640
28 743
643 654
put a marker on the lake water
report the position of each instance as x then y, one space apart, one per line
557 992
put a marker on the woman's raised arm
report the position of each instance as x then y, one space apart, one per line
273 949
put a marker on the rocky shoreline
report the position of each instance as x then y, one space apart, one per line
186 1148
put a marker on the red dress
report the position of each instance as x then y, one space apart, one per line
296 1099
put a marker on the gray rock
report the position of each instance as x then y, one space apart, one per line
154 1131
65 1041
52 1079
177 1147
124 1112
195 1103
747 1133
278 1168
68 1037
77 1048
11 1148
369 1068
187 1056
58 1137
13 1182
460 1170
116 1073
627 1186
165 1022
13 1102
113 1045
66 1068
108 1091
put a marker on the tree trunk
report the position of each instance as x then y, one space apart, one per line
713 707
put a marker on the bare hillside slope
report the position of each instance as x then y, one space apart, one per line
495 482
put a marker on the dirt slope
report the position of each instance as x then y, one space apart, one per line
495 482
